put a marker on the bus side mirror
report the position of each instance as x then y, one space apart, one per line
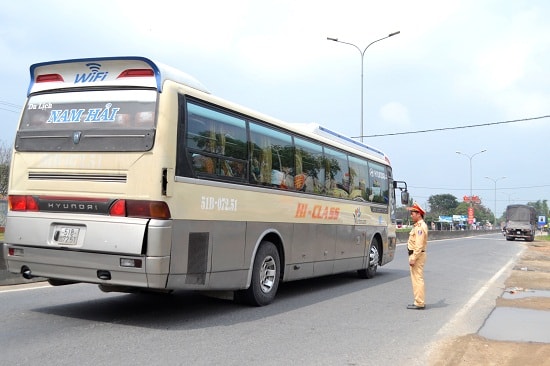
402 186
404 197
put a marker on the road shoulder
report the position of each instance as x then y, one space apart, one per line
531 272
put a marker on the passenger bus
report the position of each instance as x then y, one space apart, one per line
129 174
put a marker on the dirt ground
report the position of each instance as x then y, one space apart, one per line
532 271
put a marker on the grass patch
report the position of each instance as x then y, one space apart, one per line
542 238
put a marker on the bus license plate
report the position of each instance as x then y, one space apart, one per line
67 235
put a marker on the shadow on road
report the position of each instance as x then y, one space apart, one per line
193 310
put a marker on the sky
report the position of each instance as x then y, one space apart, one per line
461 76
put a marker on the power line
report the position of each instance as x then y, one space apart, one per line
481 189
10 110
10 104
509 200
10 107
458 127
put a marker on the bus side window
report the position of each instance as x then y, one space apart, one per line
358 178
230 168
282 173
260 164
337 169
203 164
254 171
275 154
239 170
309 167
300 177
378 183
222 139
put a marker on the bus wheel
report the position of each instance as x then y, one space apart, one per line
374 259
265 277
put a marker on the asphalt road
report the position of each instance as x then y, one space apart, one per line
336 320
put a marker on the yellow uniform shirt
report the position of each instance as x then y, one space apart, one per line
418 238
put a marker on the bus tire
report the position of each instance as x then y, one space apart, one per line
374 259
265 277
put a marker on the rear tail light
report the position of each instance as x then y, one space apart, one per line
118 208
46 78
22 203
15 252
136 73
123 208
140 208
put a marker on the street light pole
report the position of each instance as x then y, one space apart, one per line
362 53
471 157
495 181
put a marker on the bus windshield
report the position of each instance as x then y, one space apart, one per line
88 121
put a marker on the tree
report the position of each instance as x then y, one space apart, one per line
540 206
483 214
5 159
442 204
403 214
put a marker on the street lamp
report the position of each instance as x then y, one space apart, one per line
362 59
495 181
471 157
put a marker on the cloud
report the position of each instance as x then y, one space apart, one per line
394 114
504 65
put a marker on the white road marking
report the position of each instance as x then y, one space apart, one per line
24 287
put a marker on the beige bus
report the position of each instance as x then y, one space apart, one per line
129 174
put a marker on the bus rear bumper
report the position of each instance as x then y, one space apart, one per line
76 266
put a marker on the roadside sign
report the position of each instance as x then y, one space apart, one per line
470 215
473 199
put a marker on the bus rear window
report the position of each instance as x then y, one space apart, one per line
88 121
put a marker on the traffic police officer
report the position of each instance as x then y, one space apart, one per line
418 240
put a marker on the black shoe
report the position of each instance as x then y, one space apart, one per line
414 307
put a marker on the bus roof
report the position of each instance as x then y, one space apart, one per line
106 71
335 136
318 130
137 71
